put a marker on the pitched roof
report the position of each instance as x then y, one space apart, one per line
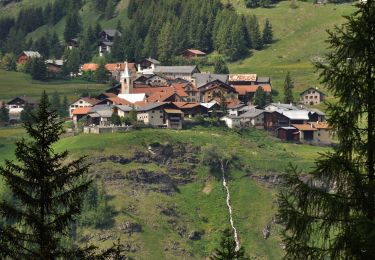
151 106
81 111
263 79
32 54
312 88
195 51
243 77
92 101
281 106
108 94
243 89
153 61
112 32
55 62
124 108
304 127
214 84
175 69
89 66
252 113
204 78
120 66
26 99
295 114
119 101
107 43
317 111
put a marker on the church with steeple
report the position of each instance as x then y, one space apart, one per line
126 80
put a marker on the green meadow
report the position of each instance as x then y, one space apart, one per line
200 205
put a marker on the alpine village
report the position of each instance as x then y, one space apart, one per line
186 129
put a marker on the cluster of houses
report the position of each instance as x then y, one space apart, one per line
168 96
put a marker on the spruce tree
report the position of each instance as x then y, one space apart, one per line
227 249
288 89
260 97
101 73
38 69
56 102
267 33
330 214
220 67
48 189
72 26
64 107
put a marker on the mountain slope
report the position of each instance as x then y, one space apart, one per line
166 203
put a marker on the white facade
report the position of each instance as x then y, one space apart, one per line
153 117
79 103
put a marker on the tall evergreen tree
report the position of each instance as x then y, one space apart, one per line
38 69
72 61
72 26
48 189
331 214
227 249
56 102
64 107
165 43
220 67
101 73
288 89
267 32
260 97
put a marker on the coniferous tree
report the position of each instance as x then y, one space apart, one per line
72 26
288 89
117 50
267 33
227 249
38 69
260 97
26 113
56 102
101 73
56 50
220 67
331 214
165 43
72 61
110 9
4 114
8 62
48 189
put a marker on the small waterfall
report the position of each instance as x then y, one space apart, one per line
225 184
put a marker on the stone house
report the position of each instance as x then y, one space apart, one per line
82 102
312 96
161 114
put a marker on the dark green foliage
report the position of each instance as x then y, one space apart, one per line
101 73
38 69
26 114
48 190
288 89
42 45
267 33
260 97
110 9
117 50
72 61
220 67
115 119
64 107
8 62
227 251
331 214
252 26
4 114
96 211
72 26
56 50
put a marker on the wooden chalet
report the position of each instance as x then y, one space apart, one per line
25 56
215 89
193 53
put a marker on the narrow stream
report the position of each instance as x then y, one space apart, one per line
225 184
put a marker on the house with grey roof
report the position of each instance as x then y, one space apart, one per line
253 118
183 72
25 56
201 79
161 114
100 115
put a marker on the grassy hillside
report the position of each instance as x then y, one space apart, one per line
167 219
299 35
14 84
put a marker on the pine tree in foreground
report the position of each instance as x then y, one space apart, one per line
227 249
331 215
47 189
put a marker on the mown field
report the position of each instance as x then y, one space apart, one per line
199 205
14 84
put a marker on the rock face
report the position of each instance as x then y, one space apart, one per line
128 227
195 235
177 161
